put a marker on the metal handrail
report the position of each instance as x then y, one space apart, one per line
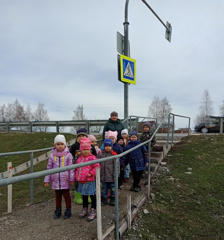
62 169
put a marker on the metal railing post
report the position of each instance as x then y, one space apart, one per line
116 200
8 127
137 119
9 168
173 128
98 207
168 131
149 174
31 181
221 125
87 126
189 122
31 126
57 127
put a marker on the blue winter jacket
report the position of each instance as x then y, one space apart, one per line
137 158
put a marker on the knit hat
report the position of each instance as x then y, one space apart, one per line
85 144
60 138
108 142
106 135
91 138
114 114
82 131
124 131
147 124
112 134
119 138
133 133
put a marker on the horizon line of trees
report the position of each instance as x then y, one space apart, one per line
15 112
158 108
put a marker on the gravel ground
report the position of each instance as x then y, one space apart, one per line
36 221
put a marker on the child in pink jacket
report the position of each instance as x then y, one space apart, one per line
61 182
86 178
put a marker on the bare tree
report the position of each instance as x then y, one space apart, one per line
206 108
18 111
221 109
3 113
78 115
41 115
28 113
159 108
9 114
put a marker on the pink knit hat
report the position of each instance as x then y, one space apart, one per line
91 138
112 134
85 143
106 135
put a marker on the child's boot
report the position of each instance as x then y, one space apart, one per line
92 215
103 201
57 213
84 213
137 188
78 198
68 213
112 201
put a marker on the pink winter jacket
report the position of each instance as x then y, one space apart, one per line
59 159
81 174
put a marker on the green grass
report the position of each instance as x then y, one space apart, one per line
15 142
188 206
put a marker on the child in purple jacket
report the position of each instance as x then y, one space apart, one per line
61 182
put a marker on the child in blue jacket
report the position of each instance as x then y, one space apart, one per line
137 160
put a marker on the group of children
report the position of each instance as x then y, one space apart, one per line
86 150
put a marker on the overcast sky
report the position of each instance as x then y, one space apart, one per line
64 53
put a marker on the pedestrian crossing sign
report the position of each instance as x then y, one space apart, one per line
128 69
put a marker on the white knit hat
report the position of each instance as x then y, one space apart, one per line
60 138
124 131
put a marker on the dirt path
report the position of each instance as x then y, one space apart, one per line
36 221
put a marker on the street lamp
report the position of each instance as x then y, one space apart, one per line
127 50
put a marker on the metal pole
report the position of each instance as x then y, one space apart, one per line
57 127
168 131
156 15
116 200
9 168
221 125
98 208
173 128
126 53
31 181
149 176
189 123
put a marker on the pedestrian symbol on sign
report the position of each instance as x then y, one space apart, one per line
128 71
